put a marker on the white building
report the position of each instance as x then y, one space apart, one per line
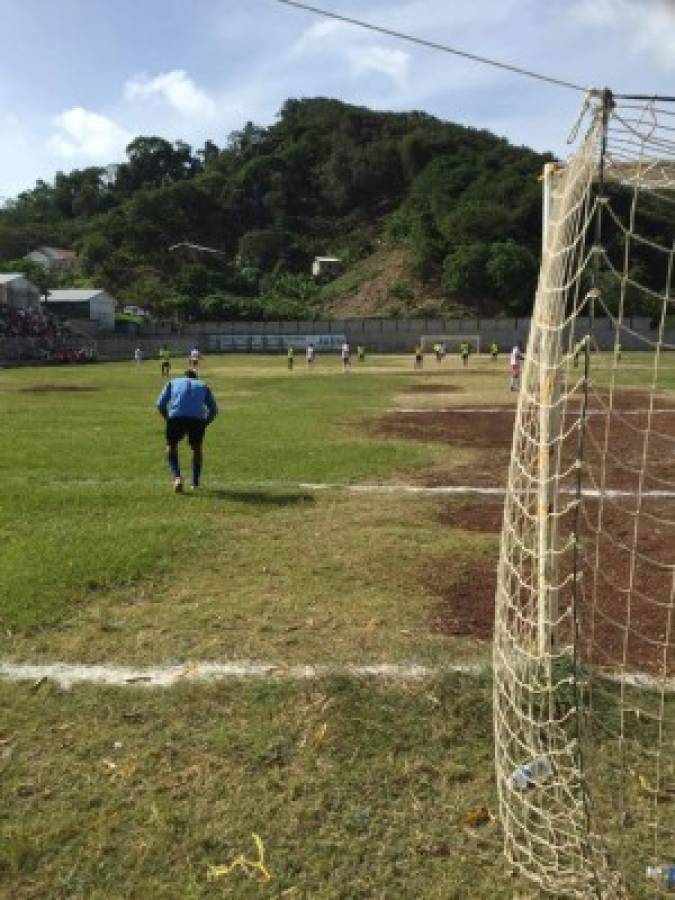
54 259
84 303
17 292
326 266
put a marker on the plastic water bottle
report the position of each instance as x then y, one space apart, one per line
664 875
531 773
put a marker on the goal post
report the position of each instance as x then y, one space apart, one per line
584 641
451 341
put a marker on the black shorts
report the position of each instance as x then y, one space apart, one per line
177 428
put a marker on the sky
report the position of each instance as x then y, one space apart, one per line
80 79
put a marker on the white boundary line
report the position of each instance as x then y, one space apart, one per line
67 675
511 410
394 488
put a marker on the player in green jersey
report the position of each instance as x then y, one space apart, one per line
165 358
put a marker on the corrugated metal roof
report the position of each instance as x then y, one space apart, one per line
56 252
74 295
6 277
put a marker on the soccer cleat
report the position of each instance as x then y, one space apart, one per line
194 487
178 485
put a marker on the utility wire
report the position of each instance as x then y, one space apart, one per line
433 45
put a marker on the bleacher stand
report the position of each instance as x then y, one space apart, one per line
33 334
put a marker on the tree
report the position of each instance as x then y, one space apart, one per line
264 249
464 271
512 272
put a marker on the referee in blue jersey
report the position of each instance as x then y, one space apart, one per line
188 407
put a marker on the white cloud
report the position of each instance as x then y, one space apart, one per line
648 27
383 60
87 134
177 89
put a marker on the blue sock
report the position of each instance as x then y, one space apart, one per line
172 456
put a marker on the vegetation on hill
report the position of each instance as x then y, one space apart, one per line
460 207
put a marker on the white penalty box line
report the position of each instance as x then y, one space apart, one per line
393 488
69 675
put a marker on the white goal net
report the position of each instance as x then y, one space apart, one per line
584 649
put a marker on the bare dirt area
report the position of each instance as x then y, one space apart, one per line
459 427
625 599
468 607
489 434
484 518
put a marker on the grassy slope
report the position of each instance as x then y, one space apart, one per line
383 284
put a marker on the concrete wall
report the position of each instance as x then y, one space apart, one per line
378 335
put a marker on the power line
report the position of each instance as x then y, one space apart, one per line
432 44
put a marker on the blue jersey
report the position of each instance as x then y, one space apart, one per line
187 398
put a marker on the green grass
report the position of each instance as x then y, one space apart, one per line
356 788
85 503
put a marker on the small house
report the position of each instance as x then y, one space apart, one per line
53 259
325 267
17 292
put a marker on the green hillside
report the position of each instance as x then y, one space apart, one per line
447 217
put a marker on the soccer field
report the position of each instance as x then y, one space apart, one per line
324 535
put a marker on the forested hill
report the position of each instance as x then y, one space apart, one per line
444 216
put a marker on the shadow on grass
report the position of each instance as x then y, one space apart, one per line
261 498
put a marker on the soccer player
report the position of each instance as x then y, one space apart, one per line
165 357
494 351
194 358
437 351
138 356
309 355
516 358
188 407
290 356
419 357
346 353
464 350
361 353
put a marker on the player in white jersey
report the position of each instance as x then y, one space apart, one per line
516 358
194 357
310 355
138 356
346 354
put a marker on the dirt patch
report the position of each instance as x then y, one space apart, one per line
435 389
467 608
623 617
626 558
452 427
484 518
58 389
626 597
622 432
